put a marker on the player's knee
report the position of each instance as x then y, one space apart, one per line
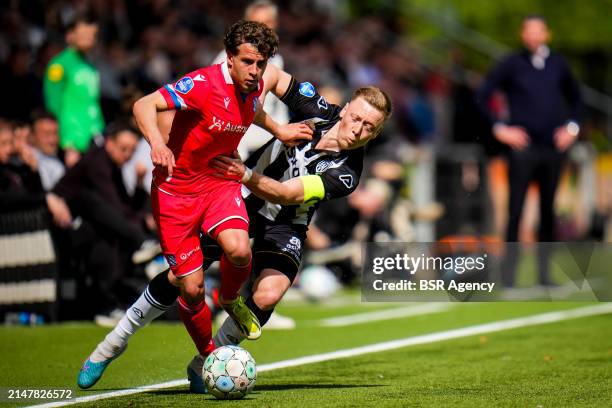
238 252
192 294
267 298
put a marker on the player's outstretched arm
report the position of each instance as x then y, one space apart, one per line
290 192
145 112
277 81
290 134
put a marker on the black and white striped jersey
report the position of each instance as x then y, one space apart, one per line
339 171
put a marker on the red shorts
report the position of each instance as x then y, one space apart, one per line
180 218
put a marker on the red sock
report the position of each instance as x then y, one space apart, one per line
232 277
198 322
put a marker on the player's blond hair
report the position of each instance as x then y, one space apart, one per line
375 97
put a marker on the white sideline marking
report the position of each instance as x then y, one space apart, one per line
492 327
386 314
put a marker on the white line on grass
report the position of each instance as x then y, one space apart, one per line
387 314
492 327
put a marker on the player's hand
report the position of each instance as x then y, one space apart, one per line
59 210
229 167
292 134
514 136
161 155
564 139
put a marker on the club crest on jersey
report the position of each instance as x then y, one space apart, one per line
296 241
184 85
307 89
322 166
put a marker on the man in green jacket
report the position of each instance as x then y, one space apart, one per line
72 90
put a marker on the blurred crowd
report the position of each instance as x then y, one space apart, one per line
143 44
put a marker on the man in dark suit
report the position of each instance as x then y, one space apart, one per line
544 108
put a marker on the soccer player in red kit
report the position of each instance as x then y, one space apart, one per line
215 106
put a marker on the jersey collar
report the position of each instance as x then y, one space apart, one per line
226 74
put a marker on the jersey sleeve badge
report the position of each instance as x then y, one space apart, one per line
307 89
55 73
184 85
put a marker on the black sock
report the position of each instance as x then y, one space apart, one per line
262 315
162 291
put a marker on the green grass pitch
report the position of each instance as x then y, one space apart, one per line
560 364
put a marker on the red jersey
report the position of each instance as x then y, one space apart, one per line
212 116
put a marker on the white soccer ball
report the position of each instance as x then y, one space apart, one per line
229 372
318 282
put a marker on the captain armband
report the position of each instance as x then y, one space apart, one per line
314 190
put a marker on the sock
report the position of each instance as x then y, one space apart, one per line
232 277
262 315
228 334
198 322
151 304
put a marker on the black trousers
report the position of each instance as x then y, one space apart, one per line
543 165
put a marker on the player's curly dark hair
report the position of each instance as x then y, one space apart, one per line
257 34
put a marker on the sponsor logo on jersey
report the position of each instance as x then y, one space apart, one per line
171 259
184 85
322 103
238 201
347 180
224 126
226 101
307 89
322 166
200 78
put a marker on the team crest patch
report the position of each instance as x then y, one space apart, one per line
322 166
184 85
307 89
171 259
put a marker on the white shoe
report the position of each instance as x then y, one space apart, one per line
147 251
109 320
280 322
195 375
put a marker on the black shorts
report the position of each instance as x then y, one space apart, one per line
276 246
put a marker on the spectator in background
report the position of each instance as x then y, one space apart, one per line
265 12
112 220
538 86
20 187
72 90
17 79
45 142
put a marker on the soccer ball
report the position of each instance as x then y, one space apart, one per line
229 372
318 283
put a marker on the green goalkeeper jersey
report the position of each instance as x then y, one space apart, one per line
72 94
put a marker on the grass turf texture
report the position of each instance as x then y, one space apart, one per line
559 364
